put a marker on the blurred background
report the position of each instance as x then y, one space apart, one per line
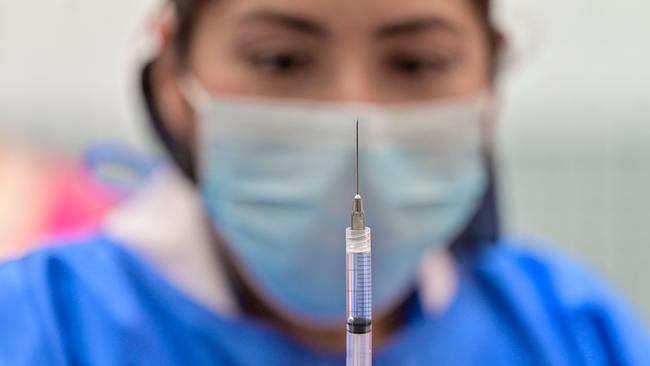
573 143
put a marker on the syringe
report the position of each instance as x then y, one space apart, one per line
359 282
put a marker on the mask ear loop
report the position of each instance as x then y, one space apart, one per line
484 227
492 103
198 100
194 93
489 103
178 151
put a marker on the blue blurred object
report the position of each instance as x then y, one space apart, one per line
119 166
95 303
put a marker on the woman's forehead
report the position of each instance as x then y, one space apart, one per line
367 15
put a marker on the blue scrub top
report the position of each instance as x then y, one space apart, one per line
97 303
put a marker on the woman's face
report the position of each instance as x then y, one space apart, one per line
379 51
344 50
382 51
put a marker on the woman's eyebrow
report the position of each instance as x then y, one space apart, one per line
293 22
416 25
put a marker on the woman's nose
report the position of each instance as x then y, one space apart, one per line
353 82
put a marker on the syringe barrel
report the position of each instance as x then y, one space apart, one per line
359 297
357 240
359 349
359 278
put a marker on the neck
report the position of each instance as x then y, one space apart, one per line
324 339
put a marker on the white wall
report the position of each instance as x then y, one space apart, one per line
66 68
575 139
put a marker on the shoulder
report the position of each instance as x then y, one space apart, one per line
90 260
45 293
555 295
535 264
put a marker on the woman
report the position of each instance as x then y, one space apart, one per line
233 254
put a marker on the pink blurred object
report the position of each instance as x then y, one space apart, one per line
78 202
46 198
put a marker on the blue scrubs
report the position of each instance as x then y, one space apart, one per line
97 303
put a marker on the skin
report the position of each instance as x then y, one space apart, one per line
379 51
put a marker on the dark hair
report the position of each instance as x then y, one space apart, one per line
188 11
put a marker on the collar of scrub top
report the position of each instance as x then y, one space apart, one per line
182 249
483 229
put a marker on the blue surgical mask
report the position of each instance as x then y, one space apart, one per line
277 179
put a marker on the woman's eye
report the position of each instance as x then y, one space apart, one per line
280 62
412 65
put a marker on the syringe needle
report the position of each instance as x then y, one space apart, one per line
357 171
